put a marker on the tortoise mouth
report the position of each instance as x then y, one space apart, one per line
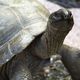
61 14
62 19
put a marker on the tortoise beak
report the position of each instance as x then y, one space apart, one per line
62 14
62 19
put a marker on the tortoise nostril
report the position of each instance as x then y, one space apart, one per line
67 16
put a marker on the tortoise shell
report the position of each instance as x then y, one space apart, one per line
20 22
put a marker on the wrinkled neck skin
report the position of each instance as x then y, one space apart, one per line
48 43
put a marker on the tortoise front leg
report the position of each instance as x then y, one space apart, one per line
71 60
17 68
58 26
21 73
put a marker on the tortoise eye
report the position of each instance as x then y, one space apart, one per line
54 17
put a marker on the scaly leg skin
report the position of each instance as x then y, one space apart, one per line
16 69
21 73
71 60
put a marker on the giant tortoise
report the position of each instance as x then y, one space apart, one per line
29 35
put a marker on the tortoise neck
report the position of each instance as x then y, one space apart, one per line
53 39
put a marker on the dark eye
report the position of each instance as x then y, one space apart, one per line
69 13
56 17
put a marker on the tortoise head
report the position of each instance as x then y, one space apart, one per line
58 26
61 20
